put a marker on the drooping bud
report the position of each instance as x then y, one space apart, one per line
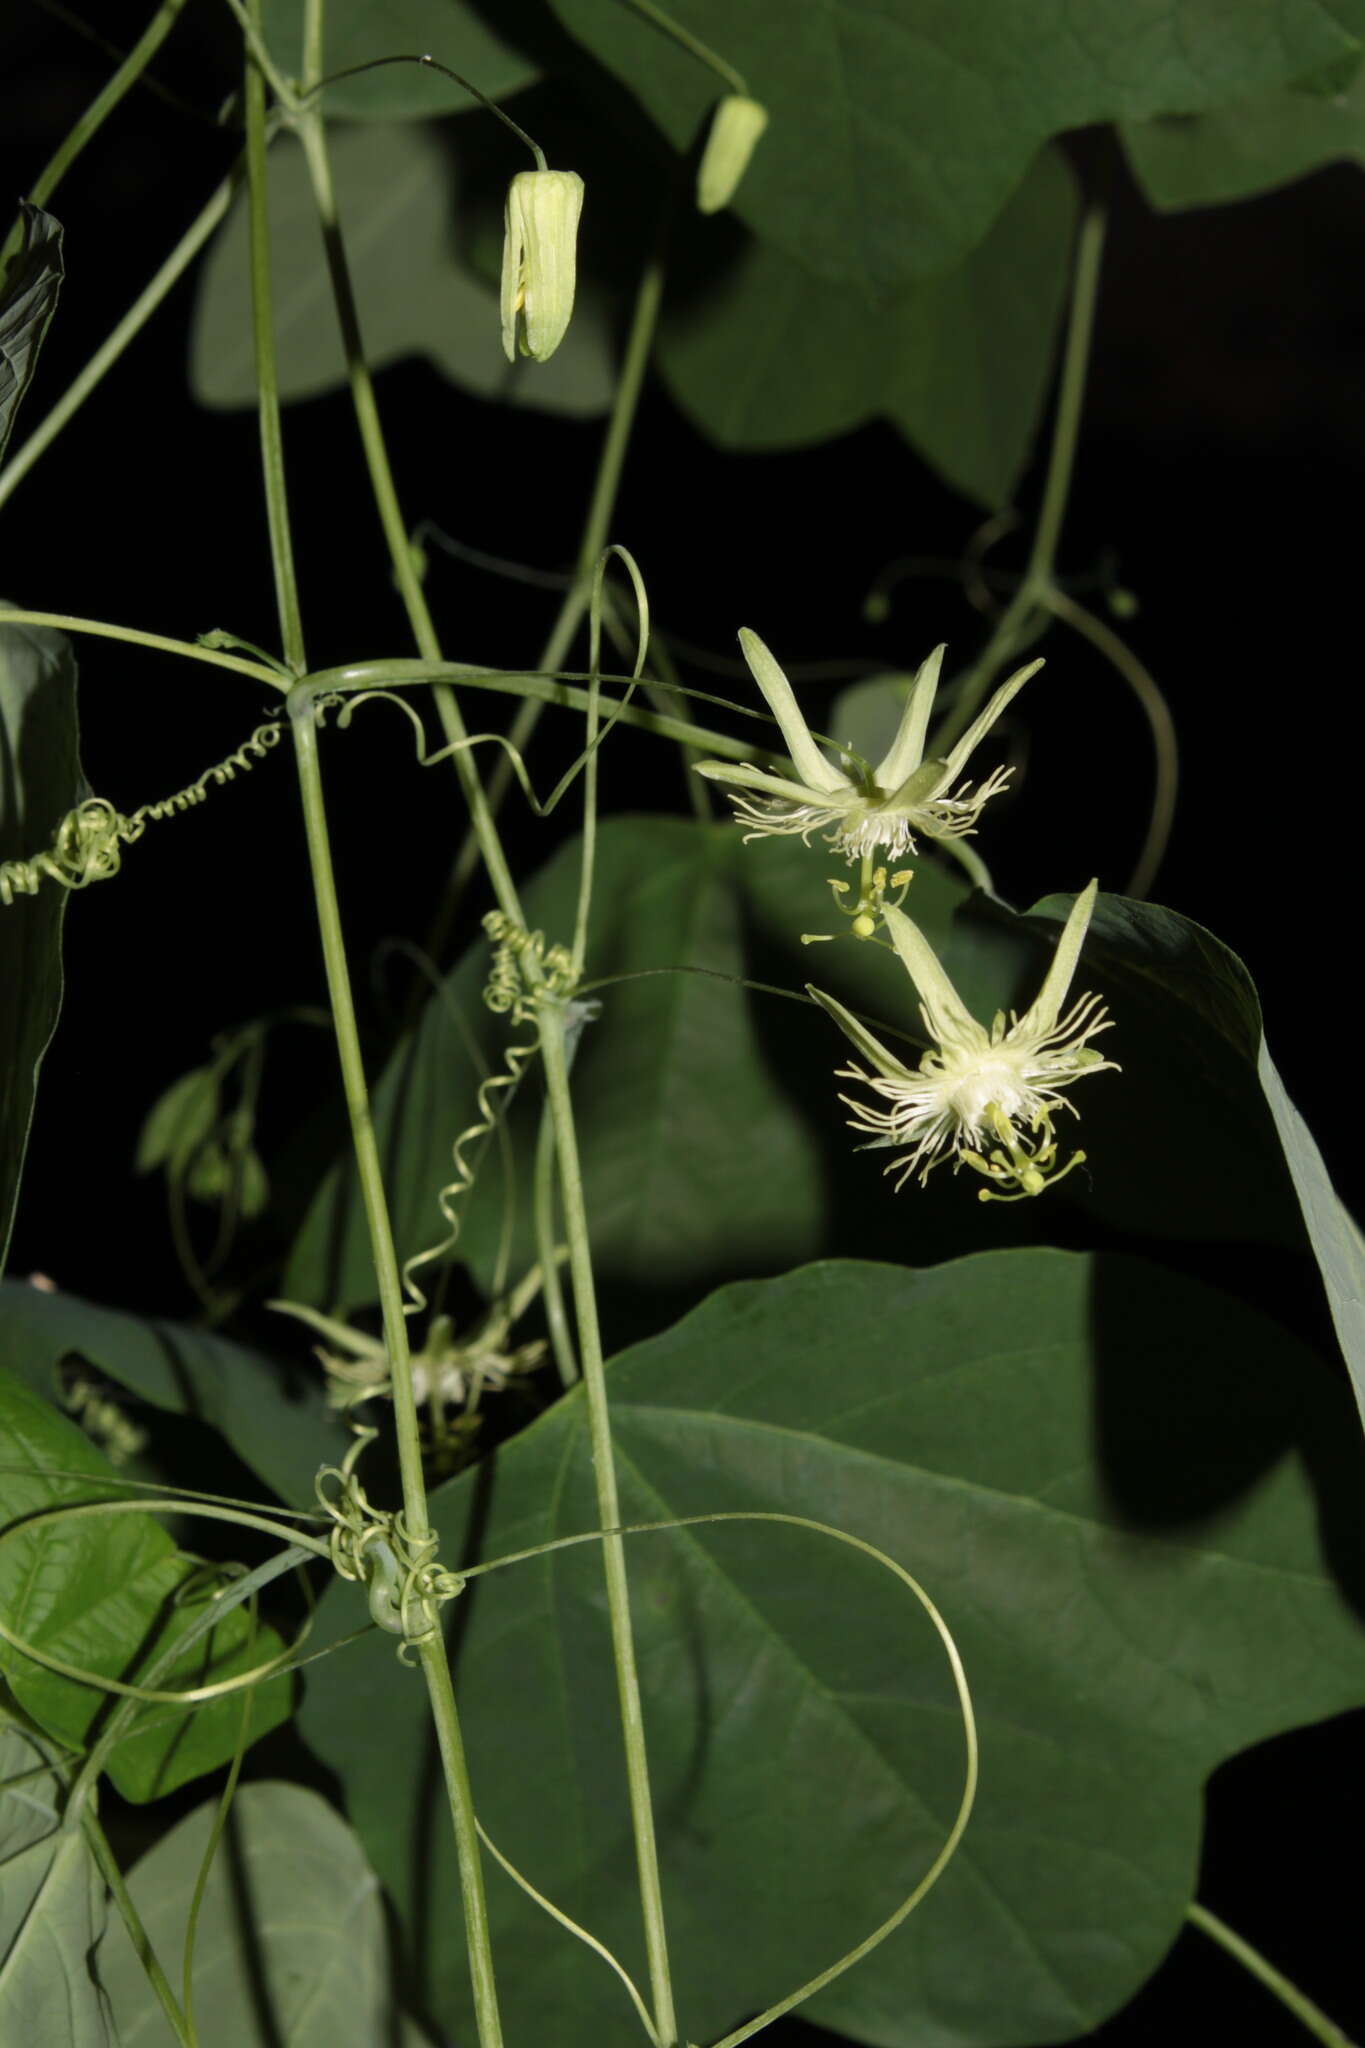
538 261
735 128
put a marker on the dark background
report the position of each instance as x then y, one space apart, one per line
1219 479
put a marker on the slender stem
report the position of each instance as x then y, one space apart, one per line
543 1197
267 382
132 323
606 484
545 689
98 111
435 1666
432 1651
137 1933
693 44
482 827
1016 621
1251 1959
1158 715
102 630
608 1507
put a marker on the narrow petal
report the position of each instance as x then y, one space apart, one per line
949 1019
744 777
907 749
872 1049
984 720
1042 1015
810 763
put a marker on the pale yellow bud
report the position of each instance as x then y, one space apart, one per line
735 128
538 261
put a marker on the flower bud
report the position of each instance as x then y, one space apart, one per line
735 127
538 255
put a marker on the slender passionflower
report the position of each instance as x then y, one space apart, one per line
857 808
983 1098
539 261
735 128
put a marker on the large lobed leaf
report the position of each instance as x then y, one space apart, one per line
774 356
40 781
899 129
106 1594
1248 147
395 194
52 1906
290 1950
283 1432
1121 1488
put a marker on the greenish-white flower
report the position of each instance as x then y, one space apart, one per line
539 261
735 128
982 1098
861 809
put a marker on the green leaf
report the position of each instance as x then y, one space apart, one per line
179 1121
40 781
278 1424
1333 1232
775 356
899 131
357 31
28 299
693 1164
52 1907
1113 1482
104 1593
395 193
1251 146
291 1949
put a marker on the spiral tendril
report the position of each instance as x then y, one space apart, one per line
88 843
406 1587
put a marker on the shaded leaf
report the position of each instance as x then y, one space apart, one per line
775 356
356 31
395 193
106 1593
898 131
1116 1483
52 1907
1251 146
28 299
692 1163
1333 1232
281 1427
40 781
290 1950
179 1121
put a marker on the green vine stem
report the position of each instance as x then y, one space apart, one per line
1251 1959
554 1054
95 115
606 484
303 719
543 1196
1162 726
311 131
107 1864
100 629
1016 621
128 328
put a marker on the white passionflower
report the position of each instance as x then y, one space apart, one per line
539 261
860 809
984 1099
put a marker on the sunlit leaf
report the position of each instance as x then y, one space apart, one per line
52 1906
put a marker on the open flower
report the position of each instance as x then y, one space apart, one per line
539 261
860 809
983 1098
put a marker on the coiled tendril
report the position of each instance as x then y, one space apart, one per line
407 1588
88 844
